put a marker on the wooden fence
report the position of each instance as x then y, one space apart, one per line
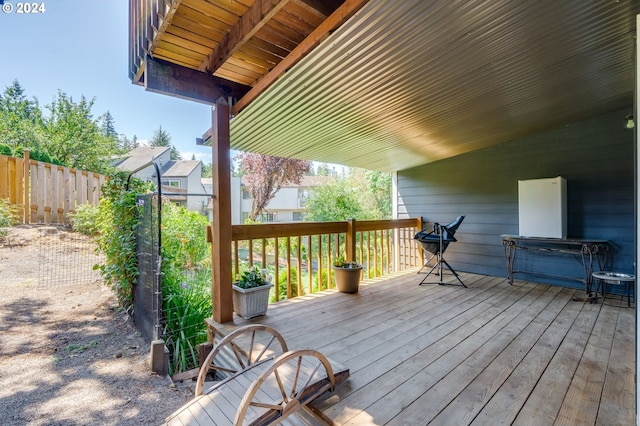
47 193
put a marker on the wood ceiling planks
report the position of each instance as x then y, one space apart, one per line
202 30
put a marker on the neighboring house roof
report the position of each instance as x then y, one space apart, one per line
140 156
180 168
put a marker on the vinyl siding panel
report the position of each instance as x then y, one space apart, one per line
596 158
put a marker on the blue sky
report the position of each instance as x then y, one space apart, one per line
81 48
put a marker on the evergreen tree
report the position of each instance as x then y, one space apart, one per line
207 170
162 138
108 125
20 119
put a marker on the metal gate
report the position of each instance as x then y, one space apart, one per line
147 293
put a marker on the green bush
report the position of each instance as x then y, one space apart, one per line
9 213
186 304
282 283
118 218
184 237
5 149
85 219
9 216
186 284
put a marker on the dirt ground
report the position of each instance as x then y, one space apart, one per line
67 355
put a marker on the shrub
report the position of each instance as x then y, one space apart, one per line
186 284
85 219
282 283
186 304
118 219
9 216
184 237
5 149
9 213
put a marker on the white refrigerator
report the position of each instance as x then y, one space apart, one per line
542 207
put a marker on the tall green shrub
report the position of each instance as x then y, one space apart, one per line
186 284
118 219
85 219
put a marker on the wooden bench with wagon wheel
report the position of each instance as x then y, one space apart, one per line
262 382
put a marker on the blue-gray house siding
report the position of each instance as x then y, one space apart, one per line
595 156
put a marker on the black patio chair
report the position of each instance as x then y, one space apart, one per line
435 241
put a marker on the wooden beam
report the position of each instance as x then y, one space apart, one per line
169 79
260 12
221 226
337 18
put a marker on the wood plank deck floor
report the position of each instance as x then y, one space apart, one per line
527 354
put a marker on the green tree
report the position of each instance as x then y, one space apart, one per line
20 119
109 125
380 189
324 170
162 138
207 170
127 144
73 136
334 201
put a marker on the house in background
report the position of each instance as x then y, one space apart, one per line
288 205
178 177
185 176
134 160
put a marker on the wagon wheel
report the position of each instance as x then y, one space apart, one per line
239 349
294 379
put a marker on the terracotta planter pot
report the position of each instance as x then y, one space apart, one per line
347 279
251 302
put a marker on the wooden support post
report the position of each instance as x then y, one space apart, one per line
419 225
221 225
350 241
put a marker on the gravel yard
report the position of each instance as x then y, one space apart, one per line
67 355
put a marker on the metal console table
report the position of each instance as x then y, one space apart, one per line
585 250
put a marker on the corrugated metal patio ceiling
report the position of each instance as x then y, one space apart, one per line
410 82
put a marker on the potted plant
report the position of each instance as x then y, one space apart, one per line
251 293
347 275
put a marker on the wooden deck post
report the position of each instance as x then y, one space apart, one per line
419 225
221 225
350 241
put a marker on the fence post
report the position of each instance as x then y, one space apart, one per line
350 241
26 210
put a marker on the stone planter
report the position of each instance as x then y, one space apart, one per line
347 279
251 302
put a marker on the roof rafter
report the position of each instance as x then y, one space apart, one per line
260 12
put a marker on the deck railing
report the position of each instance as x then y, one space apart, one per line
300 255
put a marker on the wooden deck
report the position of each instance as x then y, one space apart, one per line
484 355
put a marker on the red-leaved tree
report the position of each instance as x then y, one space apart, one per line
265 175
